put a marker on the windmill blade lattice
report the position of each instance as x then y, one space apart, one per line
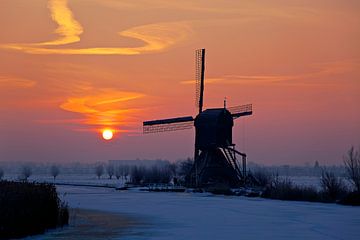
241 110
199 78
168 125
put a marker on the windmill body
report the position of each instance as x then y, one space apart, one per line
215 155
213 128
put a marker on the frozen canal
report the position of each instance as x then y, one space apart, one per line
204 216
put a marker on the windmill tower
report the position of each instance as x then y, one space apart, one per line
215 154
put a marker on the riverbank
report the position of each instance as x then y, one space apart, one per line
91 225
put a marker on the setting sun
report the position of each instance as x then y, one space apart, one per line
107 134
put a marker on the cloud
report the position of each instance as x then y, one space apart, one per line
68 28
15 82
156 37
322 71
105 107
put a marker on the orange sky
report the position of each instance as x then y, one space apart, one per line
69 68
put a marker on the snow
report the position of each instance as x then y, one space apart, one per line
206 216
85 179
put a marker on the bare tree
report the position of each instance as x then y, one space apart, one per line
331 185
185 167
126 171
110 170
352 166
99 170
137 174
1 173
173 169
26 172
54 171
118 172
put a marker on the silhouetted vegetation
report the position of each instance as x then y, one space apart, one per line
54 171
352 198
333 190
29 208
155 174
110 169
122 171
26 172
99 170
352 166
260 177
185 167
332 187
1 173
284 189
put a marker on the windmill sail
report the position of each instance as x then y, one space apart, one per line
199 78
167 125
242 110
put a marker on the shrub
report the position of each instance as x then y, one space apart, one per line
29 208
332 187
352 198
352 166
155 174
284 189
260 177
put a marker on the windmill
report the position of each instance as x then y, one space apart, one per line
215 154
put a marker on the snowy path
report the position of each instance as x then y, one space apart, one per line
203 216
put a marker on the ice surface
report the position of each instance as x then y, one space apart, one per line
205 216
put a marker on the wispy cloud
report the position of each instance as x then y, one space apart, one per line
104 107
156 37
322 70
15 82
68 29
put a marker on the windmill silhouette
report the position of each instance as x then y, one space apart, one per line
215 154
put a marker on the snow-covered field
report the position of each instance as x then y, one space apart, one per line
86 179
205 216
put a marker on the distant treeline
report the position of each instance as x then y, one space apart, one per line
159 173
313 169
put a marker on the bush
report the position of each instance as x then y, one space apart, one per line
29 208
352 166
352 198
284 189
260 177
155 174
332 187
